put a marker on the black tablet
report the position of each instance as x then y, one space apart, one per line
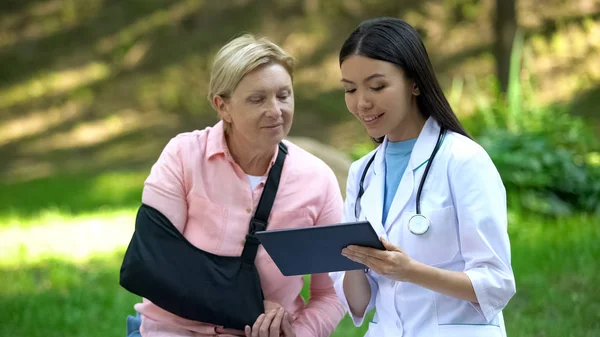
318 249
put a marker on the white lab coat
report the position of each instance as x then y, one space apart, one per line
465 200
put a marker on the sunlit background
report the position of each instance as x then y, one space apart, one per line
91 90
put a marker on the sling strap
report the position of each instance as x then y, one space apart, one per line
260 219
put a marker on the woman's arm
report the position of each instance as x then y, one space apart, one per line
323 312
395 264
447 282
479 198
164 189
358 291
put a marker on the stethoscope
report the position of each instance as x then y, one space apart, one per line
418 224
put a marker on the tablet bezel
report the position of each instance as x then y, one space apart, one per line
362 234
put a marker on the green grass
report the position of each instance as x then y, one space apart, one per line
66 196
70 287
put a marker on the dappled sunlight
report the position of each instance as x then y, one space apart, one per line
147 24
535 12
39 121
74 238
45 19
181 88
565 64
458 39
135 54
304 44
142 151
325 76
90 133
54 83
27 169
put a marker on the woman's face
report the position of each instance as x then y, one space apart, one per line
261 108
380 95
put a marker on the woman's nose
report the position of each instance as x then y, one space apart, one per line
364 103
273 108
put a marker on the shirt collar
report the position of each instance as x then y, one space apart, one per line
216 144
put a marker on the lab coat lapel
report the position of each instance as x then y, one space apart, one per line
408 184
372 201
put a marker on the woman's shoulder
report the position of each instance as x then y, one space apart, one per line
462 147
196 141
188 138
463 151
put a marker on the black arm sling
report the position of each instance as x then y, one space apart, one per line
162 266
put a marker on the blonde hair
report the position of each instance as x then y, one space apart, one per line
241 56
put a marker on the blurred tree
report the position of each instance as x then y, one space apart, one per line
505 27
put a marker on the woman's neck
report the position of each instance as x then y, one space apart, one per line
253 161
409 128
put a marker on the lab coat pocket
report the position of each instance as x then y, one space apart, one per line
470 331
437 246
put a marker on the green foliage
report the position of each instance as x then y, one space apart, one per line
361 149
546 177
544 154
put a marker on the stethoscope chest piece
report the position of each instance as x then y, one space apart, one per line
418 224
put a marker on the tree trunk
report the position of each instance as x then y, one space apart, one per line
505 27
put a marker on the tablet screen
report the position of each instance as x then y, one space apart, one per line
318 249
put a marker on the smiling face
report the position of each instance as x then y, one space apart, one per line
261 108
381 96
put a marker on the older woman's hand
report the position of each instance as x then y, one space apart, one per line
274 323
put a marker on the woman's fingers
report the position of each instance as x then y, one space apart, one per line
275 329
262 330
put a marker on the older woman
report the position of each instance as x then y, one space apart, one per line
209 182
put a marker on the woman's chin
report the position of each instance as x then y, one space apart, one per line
274 136
375 133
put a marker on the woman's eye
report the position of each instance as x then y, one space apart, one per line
255 99
349 91
283 96
378 88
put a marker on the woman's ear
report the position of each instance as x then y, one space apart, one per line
415 90
221 106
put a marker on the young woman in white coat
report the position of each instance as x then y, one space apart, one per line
431 193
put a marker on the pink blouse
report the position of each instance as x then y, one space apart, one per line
206 195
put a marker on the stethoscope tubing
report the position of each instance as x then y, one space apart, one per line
361 189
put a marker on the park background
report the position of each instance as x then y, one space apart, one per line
91 90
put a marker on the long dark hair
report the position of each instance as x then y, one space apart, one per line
395 41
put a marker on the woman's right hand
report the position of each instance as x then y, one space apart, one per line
271 323
269 307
